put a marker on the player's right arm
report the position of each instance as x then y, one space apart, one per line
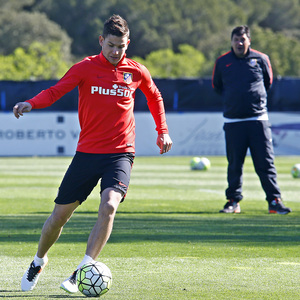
47 97
217 78
20 108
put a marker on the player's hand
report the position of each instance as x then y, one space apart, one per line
164 142
20 108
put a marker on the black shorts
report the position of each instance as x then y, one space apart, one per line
86 169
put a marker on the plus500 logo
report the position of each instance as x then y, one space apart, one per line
111 92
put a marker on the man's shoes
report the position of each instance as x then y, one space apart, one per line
31 277
276 207
70 284
231 206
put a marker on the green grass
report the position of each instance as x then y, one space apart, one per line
169 241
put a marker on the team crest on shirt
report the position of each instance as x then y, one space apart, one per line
127 77
253 62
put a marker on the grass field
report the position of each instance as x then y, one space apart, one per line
169 241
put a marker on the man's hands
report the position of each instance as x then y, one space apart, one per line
20 108
164 142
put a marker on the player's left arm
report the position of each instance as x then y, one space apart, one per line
267 72
156 107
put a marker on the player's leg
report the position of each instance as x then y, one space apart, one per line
50 233
116 170
54 225
262 153
110 200
114 185
236 149
77 183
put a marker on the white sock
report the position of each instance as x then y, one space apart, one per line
86 259
40 261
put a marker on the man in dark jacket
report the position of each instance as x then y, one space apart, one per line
242 76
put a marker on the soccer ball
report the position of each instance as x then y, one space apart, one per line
94 279
200 163
296 171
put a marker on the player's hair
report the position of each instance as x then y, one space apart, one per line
117 26
240 30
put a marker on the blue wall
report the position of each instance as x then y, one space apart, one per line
179 95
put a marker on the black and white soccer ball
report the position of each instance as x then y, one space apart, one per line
94 279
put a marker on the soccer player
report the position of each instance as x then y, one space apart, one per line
107 83
242 76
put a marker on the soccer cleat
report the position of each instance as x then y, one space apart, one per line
70 284
231 207
31 277
276 207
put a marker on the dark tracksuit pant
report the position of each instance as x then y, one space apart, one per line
257 136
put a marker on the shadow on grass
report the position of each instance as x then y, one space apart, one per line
30 296
21 294
177 228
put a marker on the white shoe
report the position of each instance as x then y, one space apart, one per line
31 277
70 284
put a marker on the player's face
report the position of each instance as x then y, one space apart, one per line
114 47
240 44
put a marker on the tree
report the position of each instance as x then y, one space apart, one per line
82 20
284 52
20 29
282 15
39 62
165 63
155 25
15 5
255 10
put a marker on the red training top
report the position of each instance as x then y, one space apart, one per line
106 101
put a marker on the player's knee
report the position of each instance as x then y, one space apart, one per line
58 220
62 213
108 208
110 202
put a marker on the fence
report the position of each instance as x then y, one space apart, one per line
193 114
180 95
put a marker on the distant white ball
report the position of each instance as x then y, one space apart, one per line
296 171
200 163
